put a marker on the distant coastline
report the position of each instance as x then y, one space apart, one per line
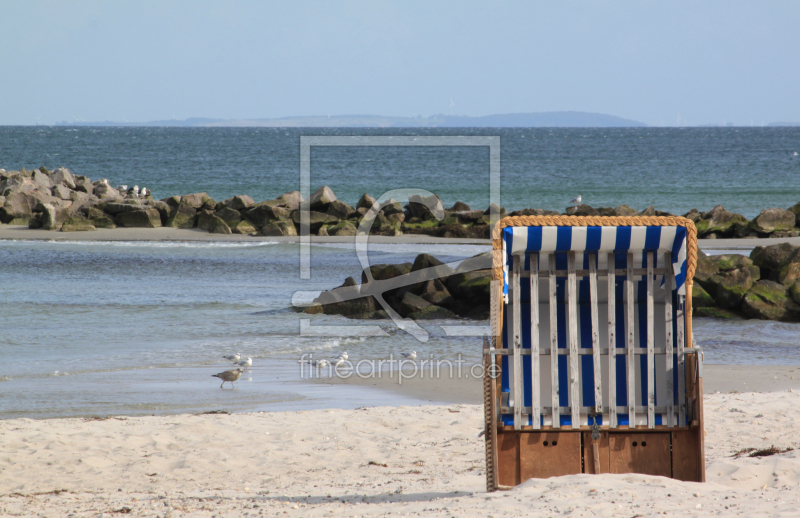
563 119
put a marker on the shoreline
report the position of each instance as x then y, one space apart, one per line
23 233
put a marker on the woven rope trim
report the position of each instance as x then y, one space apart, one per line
595 221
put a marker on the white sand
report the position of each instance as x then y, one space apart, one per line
331 463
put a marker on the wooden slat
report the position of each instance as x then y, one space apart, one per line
581 351
630 326
536 377
516 343
612 342
651 382
551 262
668 321
598 376
585 273
572 340
681 364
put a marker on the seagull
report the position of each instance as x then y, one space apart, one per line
143 192
234 357
576 201
342 356
122 188
245 363
337 361
411 356
134 190
231 375
320 363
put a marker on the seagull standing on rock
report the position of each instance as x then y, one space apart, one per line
576 201
231 375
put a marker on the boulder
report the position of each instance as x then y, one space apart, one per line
196 200
624 210
459 206
471 287
500 210
77 223
264 213
333 303
84 184
50 217
711 312
771 220
796 210
35 221
230 216
411 303
115 208
436 293
701 298
582 210
365 202
693 215
320 199
425 207
209 205
291 200
382 272
102 190
432 313
42 179
209 221
730 262
392 207
240 202
59 191
98 218
435 269
649 211
728 288
341 210
723 222
343 228
16 207
279 228
164 210
705 267
467 217
789 270
315 219
771 258
62 176
794 292
769 300
244 227
172 201
323 231
182 216
141 218
17 184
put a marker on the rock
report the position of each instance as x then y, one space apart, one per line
16 207
382 272
98 218
60 191
323 231
723 222
693 215
392 207
771 220
728 288
291 200
432 313
500 210
436 293
769 300
279 228
473 287
771 258
357 306
365 202
102 190
35 221
794 292
50 217
17 184
705 267
196 200
429 207
467 217
84 184
240 202
42 179
210 205
141 218
115 208
582 210
343 228
230 216
411 303
340 210
649 211
164 210
77 223
701 298
209 221
315 219
796 210
624 210
459 206
435 269
244 227
320 199
182 216
711 312
172 201
62 176
263 214
730 262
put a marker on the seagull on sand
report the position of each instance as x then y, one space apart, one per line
245 364
320 363
231 375
411 356
234 357
576 201
342 356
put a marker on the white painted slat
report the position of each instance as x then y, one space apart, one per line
681 362
536 378
598 375
630 326
668 321
572 341
517 343
651 382
553 341
612 342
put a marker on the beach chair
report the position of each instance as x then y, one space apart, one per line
573 285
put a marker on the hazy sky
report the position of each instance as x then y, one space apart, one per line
706 62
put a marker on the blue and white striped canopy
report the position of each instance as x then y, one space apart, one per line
620 240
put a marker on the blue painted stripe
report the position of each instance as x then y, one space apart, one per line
593 238
652 238
564 238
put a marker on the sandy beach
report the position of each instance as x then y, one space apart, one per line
409 461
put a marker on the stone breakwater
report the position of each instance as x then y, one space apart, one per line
762 286
59 200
